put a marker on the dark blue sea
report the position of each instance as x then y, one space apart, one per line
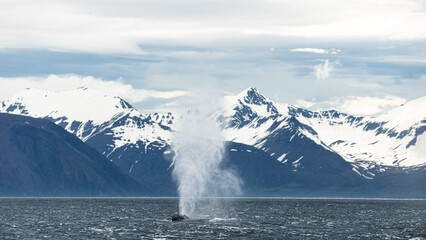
240 218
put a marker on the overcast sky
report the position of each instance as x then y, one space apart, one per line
359 56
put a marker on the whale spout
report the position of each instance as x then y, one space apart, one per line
178 217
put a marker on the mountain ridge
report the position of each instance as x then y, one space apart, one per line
250 108
330 120
297 138
337 131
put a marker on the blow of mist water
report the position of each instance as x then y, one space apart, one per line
199 149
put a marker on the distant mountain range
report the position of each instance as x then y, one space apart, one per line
277 149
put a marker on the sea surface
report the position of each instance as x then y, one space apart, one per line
240 218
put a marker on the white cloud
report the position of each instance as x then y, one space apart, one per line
10 86
317 50
357 105
117 26
310 50
322 70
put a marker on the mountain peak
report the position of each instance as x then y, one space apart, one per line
250 90
252 96
249 104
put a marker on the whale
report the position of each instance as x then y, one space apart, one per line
178 217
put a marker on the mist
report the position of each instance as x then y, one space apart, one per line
199 149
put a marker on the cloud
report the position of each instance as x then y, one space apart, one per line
357 105
10 86
114 26
316 50
322 70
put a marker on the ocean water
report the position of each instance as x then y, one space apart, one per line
147 218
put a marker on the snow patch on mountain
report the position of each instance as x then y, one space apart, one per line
420 148
80 105
132 131
405 116
166 119
388 140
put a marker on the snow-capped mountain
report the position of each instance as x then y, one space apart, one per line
393 139
385 140
255 120
86 112
78 111
273 145
107 123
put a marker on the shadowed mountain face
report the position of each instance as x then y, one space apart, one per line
276 149
39 158
263 175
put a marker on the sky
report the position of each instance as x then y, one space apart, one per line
362 57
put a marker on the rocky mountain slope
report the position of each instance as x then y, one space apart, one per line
38 158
